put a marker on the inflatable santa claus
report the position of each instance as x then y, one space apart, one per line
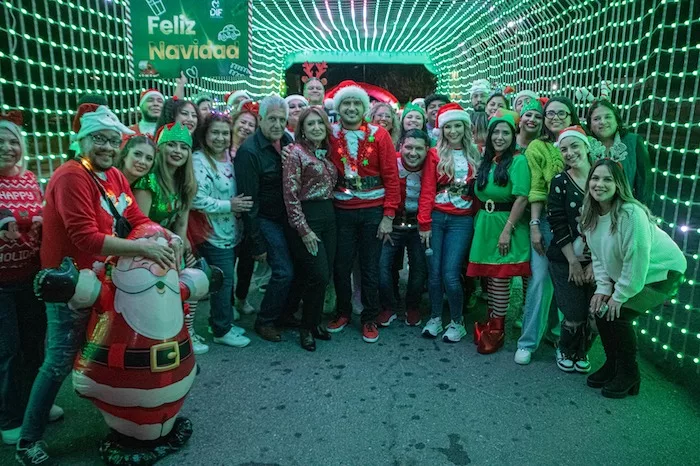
137 365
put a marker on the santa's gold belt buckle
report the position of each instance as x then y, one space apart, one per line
490 206
173 349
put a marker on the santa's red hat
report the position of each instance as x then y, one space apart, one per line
451 112
347 89
149 93
82 110
230 97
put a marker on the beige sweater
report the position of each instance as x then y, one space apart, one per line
637 254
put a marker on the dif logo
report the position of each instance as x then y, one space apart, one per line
216 11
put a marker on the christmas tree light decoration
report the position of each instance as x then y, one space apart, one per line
62 50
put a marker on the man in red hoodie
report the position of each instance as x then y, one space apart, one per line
366 200
82 201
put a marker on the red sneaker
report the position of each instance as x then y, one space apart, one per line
370 333
386 317
335 326
413 317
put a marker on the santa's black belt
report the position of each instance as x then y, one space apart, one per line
160 357
491 206
361 183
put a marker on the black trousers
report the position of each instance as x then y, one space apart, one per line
244 271
357 234
312 273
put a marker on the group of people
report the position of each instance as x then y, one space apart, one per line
515 186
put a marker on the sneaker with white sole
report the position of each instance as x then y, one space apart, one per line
234 328
582 365
33 454
10 436
244 307
522 356
564 362
55 413
232 339
433 328
454 332
386 317
198 344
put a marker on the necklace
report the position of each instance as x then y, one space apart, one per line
363 150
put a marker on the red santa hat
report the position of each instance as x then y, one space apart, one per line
82 110
230 97
451 112
149 93
575 132
347 89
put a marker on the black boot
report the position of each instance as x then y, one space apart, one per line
609 340
627 379
307 340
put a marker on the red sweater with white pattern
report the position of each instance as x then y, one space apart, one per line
20 227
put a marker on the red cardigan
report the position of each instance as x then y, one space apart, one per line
77 218
428 192
381 162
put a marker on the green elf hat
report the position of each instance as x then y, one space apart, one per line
411 107
506 117
532 105
173 132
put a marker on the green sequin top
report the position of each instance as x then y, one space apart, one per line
164 208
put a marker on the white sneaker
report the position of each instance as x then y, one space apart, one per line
55 413
454 332
564 362
245 307
582 365
233 339
234 328
236 314
11 436
522 356
433 327
198 345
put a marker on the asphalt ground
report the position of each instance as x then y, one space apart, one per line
407 401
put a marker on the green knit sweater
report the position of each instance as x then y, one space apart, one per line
545 161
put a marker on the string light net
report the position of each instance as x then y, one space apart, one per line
54 52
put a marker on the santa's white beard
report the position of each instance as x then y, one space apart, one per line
152 314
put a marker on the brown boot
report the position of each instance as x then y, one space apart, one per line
492 336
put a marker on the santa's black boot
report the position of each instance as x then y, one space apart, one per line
176 439
119 450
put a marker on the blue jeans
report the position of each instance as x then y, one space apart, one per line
417 268
220 313
66 335
22 333
273 305
540 311
450 240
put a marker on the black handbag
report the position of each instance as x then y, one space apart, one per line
122 227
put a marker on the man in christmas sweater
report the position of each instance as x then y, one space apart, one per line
366 199
414 148
79 221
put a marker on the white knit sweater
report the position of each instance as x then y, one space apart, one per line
637 254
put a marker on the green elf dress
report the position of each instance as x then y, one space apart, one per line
485 260
164 207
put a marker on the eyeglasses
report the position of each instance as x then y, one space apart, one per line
561 114
103 141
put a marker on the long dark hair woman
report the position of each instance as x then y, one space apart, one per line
180 111
309 178
502 184
637 267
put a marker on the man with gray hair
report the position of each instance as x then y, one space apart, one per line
258 168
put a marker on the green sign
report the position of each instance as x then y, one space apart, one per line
199 37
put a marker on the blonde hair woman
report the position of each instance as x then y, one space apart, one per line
446 216
383 114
